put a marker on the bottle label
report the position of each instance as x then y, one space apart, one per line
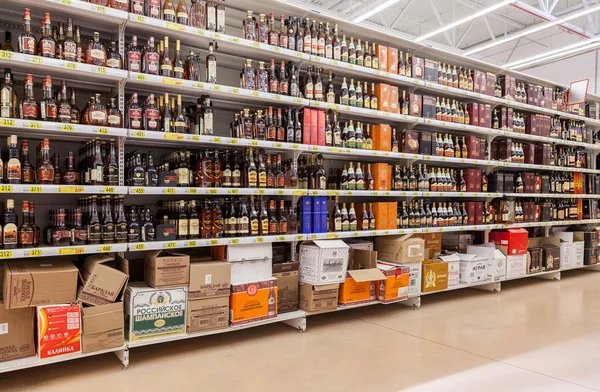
211 20
13 169
64 114
264 225
283 87
262 180
337 222
97 55
98 116
113 63
273 86
309 91
182 227
26 238
9 234
152 119
208 123
114 120
183 176
329 51
237 178
137 7
152 60
178 70
49 111
45 174
135 118
166 67
27 45
48 48
273 228
169 12
281 181
108 232
70 51
318 91
133 235
243 225
182 16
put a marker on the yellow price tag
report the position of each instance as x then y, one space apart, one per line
277 97
299 237
170 191
355 234
195 138
235 90
36 60
256 44
233 141
35 252
6 55
216 88
260 192
235 40
192 191
140 76
71 251
106 248
298 192
214 242
102 130
101 8
260 239
6 188
254 142
70 189
139 134
5 254
234 241
254 93
191 243
275 49
109 189
234 191
212 191
139 191
7 122
67 127
101 70
278 145
218 36
70 65
35 189
170 245
139 247
217 140
280 192
140 18
34 124
332 236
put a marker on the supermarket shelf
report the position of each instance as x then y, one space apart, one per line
63 189
25 63
367 113
216 91
142 137
41 129
534 275
458 287
467 162
346 307
448 229
552 195
358 193
179 244
75 9
214 191
29 362
462 194
61 251
299 314
548 224
515 165
360 233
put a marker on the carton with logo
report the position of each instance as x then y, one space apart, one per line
432 244
207 314
250 262
103 327
323 261
362 278
166 269
496 260
473 268
16 333
394 287
515 240
154 312
101 284
434 276
319 298
287 286
400 249
209 279
550 247
453 268
571 249
33 283
58 330
253 302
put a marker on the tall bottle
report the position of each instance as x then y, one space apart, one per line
27 43
211 63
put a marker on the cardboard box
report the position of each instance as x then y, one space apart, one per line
514 239
168 269
434 276
590 256
58 330
571 249
250 262
383 59
457 241
392 60
516 266
362 278
319 298
395 285
16 333
323 262
209 279
432 244
103 327
382 137
394 98
32 283
473 268
414 279
287 286
207 314
132 267
321 137
383 94
253 301
496 261
453 262
431 71
400 249
101 283
306 126
154 312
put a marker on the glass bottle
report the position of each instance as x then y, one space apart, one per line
166 61
211 15
169 12
198 14
48 105
27 43
211 63
69 44
152 9
151 59
182 13
96 52
220 17
47 43
25 231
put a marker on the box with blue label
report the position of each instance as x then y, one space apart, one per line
305 214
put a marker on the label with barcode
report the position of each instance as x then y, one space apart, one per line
3 328
412 282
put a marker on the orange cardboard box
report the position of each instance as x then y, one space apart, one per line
381 216
383 60
382 176
362 278
58 330
253 301
392 213
395 285
382 137
394 108
383 93
433 243
392 59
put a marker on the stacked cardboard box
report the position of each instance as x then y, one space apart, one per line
208 296
403 251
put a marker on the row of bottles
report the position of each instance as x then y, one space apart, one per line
451 111
208 15
449 76
423 214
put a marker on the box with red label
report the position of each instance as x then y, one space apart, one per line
490 83
475 212
473 147
529 152
542 154
320 128
314 125
395 285
529 211
473 110
514 240
253 301
506 119
58 330
531 124
306 126
485 113
473 180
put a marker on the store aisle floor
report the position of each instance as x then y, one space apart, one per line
535 335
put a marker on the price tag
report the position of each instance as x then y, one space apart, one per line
140 18
173 136
36 60
260 192
276 97
280 192
170 191
234 241
170 245
6 55
234 191
102 130
70 189
233 141
139 247
235 90
355 234
217 140
5 254
195 138
34 124
199 85
275 49
213 191
139 134
101 70
295 146
35 252
298 54
278 145
313 236
281 238
140 76
108 189
299 101
214 242
216 88
256 44
7 122
332 236
175 26
218 36
35 189
191 243
70 65
139 191
260 239
106 248
192 191
298 193
67 127
199 31
6 188
101 8
254 142
254 93
71 251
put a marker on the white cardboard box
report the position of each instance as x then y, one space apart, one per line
453 269
496 261
515 266
578 254
473 268
250 262
414 279
566 255
574 258
323 261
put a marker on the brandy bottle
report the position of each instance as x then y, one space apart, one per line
198 14
182 13
169 11
27 43
47 43
151 59
166 61
178 65
211 63
96 52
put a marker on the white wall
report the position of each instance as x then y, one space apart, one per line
569 70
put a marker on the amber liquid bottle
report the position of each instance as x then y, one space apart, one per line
10 232
169 11
47 43
198 14
27 43
96 52
166 61
178 65
182 13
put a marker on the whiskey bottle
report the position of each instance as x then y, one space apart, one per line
107 223
168 11
27 172
7 96
48 105
96 52
113 58
64 106
115 118
182 13
211 15
47 43
27 43
180 121
133 228
69 46
178 65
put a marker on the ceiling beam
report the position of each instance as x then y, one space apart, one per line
548 17
440 21
543 5
494 15
400 15
460 40
551 7
487 23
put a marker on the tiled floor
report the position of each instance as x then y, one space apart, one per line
535 335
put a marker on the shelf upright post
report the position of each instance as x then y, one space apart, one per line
123 356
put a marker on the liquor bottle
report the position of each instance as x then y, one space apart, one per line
7 94
166 61
345 218
151 59
47 43
114 118
166 125
152 8
360 54
198 14
25 230
48 105
220 8
107 223
169 12
211 63
179 122
211 15
13 165
27 43
178 65
134 114
96 52
133 227
351 51
9 232
182 13
113 58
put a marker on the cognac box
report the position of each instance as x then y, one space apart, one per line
429 110
431 71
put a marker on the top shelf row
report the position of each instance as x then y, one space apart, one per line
244 48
